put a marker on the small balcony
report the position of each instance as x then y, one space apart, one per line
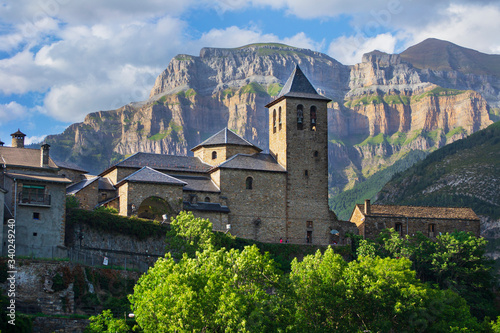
29 199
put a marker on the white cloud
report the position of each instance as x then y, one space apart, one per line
349 50
34 139
472 26
11 111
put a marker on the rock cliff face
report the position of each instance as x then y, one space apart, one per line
382 108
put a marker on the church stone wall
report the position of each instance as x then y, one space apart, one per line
257 213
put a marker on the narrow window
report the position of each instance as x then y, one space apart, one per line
399 228
279 118
249 183
316 153
35 234
309 237
309 224
300 117
207 199
36 215
432 229
274 121
306 173
313 118
214 155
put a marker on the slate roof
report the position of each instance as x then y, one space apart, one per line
105 184
258 161
225 137
40 178
77 187
25 157
164 162
449 213
71 166
198 183
298 86
148 175
206 207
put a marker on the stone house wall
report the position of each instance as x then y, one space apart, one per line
88 196
132 193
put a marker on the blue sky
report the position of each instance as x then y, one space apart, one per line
61 59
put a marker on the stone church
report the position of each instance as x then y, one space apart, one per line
281 196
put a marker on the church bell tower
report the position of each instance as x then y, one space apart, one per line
298 140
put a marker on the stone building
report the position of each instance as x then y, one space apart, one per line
407 220
35 198
280 195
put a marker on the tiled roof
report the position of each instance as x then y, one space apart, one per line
22 157
206 207
105 184
298 86
40 178
198 183
69 165
77 187
225 137
165 162
148 175
259 161
451 213
18 133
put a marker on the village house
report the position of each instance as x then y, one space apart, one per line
271 197
34 195
408 220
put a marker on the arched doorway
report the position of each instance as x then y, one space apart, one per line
153 208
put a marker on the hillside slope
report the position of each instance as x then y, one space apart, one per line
462 174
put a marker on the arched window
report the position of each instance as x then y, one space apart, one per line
249 183
313 118
214 155
279 118
207 199
274 121
300 117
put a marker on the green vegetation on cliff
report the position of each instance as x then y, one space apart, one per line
343 203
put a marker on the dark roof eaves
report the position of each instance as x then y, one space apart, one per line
318 98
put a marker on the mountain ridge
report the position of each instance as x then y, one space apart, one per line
382 108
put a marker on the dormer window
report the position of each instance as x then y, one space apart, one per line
214 155
300 117
313 118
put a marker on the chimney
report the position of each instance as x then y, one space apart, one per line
18 139
368 208
44 155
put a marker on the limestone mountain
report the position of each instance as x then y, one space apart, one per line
383 107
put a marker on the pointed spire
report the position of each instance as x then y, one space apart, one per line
298 86
297 83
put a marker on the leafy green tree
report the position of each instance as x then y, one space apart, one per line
189 234
215 291
371 294
106 323
453 261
